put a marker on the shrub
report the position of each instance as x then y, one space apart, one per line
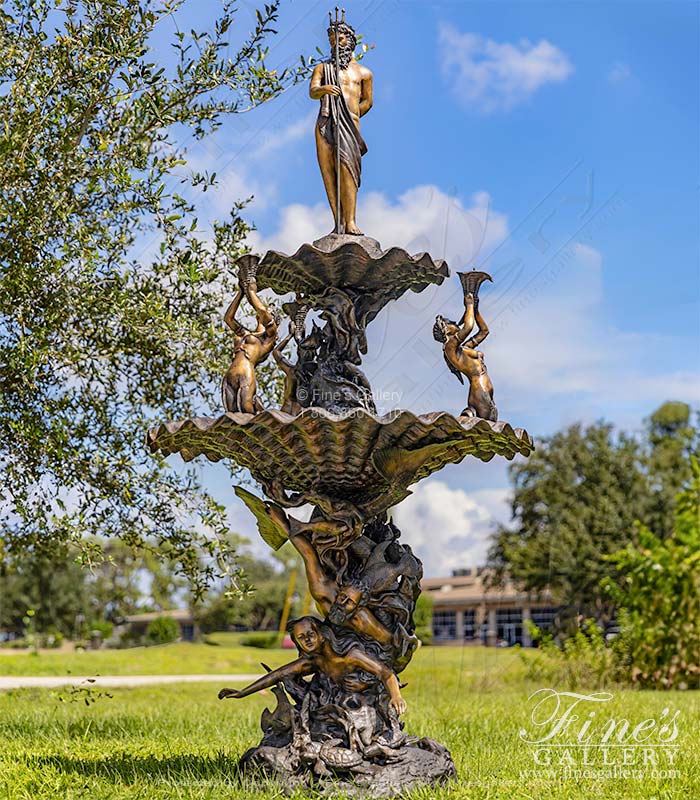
105 628
162 631
423 612
425 634
659 596
51 639
583 661
263 639
129 638
16 644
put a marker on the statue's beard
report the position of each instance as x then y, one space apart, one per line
345 55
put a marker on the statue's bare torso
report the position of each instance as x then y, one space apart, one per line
356 88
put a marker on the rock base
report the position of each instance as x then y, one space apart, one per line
418 762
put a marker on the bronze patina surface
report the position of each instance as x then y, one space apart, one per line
311 270
459 342
344 88
356 456
250 348
336 726
349 284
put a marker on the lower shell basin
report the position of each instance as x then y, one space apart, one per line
358 456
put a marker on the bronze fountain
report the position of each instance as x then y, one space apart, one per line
337 723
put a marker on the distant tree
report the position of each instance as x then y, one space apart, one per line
423 618
54 588
575 500
659 596
166 586
99 339
672 440
261 606
115 581
73 600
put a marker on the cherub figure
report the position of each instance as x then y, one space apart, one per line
290 404
461 354
320 651
343 604
250 348
297 377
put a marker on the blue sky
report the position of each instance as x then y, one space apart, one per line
553 144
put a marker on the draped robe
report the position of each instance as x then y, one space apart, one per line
334 116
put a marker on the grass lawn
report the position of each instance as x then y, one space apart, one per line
223 655
181 742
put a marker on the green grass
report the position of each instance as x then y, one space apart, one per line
179 741
173 659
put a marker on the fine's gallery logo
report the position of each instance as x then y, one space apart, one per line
575 735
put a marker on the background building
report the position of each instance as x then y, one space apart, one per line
466 610
138 623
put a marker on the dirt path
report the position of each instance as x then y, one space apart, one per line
53 681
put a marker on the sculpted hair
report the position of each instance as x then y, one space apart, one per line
348 30
346 53
439 329
341 641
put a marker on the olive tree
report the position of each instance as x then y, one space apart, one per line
96 342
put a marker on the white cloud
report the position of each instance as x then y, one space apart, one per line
492 76
554 353
250 172
554 342
275 139
423 218
450 528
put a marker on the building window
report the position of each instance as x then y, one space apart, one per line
470 624
444 625
543 618
509 625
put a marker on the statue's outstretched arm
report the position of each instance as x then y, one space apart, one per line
467 323
284 363
475 341
301 666
231 311
364 622
361 660
319 585
262 312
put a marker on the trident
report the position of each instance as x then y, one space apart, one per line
337 120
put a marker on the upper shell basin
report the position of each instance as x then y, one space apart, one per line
350 264
367 459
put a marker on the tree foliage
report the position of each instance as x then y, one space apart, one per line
162 630
52 588
659 595
111 290
260 608
672 440
576 501
72 600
